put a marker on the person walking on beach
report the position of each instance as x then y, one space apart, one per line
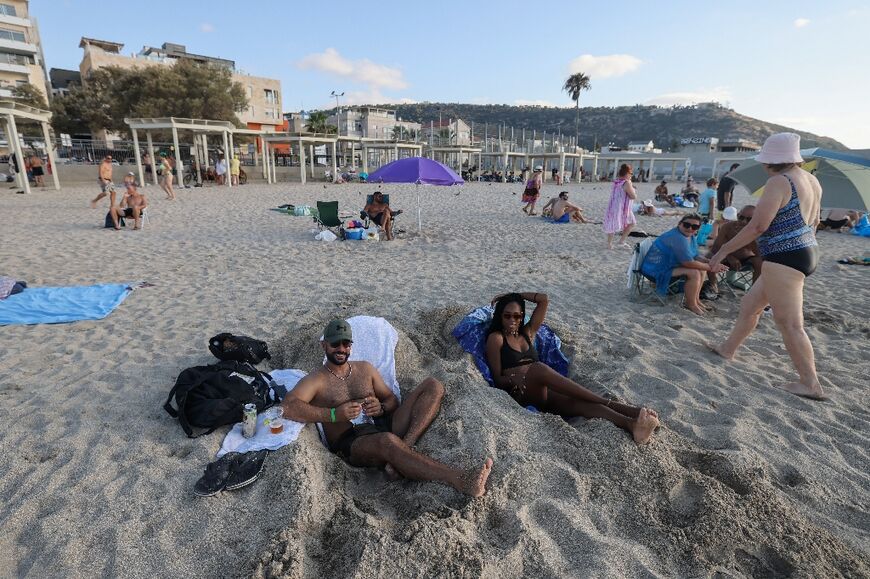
364 422
166 168
619 217
533 190
235 170
37 169
725 190
516 369
784 225
105 180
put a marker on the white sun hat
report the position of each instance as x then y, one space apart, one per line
648 203
781 148
730 214
539 168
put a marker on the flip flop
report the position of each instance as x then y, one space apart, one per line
246 468
214 480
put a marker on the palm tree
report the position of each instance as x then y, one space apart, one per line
317 123
575 84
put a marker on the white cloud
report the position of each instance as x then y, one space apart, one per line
533 103
206 27
372 96
363 70
801 22
718 94
596 67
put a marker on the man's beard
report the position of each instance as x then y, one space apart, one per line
331 358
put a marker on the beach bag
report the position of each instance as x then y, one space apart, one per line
228 346
302 210
213 396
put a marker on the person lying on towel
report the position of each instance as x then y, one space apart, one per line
513 361
364 422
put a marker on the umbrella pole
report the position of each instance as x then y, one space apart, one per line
419 211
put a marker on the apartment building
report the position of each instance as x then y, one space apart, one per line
373 123
21 60
264 94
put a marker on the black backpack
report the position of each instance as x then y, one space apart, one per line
215 395
228 346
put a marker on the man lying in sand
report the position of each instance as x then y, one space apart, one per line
364 422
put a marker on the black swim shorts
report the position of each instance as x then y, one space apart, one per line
343 445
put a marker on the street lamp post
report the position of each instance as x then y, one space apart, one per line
337 109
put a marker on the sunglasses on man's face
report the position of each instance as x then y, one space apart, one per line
692 226
743 218
345 343
512 316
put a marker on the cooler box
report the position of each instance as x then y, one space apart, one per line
355 233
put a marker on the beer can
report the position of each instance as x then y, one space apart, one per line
249 420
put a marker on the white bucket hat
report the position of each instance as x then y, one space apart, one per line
539 168
781 148
730 214
648 203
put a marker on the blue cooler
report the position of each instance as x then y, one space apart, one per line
355 233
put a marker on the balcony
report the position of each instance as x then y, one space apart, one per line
16 68
15 21
18 47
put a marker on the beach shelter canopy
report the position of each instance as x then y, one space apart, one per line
419 170
11 110
845 178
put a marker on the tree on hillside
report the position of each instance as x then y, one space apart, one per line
574 85
317 124
186 89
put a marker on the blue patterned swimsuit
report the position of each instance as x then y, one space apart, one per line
789 240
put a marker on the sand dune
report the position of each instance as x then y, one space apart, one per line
743 479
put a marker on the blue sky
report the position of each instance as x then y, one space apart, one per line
799 63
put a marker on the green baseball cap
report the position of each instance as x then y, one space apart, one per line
337 330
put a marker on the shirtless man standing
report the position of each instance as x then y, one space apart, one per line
364 422
132 205
379 212
105 181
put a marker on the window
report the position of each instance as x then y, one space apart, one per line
271 96
9 58
250 91
269 113
7 10
11 35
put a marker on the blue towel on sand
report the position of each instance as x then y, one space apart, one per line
471 333
52 305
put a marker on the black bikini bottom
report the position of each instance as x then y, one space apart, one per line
804 260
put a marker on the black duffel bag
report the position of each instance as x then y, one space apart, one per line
212 396
228 346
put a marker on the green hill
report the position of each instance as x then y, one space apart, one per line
619 125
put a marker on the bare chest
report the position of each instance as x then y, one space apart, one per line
337 391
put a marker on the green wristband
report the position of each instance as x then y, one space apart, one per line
332 414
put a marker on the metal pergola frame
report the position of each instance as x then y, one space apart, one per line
9 110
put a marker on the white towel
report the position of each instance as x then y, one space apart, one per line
235 441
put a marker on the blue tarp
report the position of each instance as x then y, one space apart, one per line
471 332
53 305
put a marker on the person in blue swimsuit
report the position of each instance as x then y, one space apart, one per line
784 225
516 369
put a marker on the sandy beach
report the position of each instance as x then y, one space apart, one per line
742 479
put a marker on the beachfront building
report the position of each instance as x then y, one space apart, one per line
264 94
738 145
63 80
447 132
641 146
373 123
21 60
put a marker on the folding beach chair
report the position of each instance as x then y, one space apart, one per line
740 279
327 217
642 286
365 216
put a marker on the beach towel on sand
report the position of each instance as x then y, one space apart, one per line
374 341
471 332
52 305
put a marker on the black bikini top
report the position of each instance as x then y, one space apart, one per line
510 358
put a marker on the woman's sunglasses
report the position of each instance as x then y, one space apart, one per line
692 226
345 343
511 316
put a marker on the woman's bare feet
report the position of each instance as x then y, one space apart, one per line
696 309
644 426
814 392
474 482
719 351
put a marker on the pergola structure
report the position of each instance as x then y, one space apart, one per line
9 111
455 150
200 128
395 146
638 161
529 159
302 139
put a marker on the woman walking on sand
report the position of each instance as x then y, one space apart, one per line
533 191
166 168
784 223
619 217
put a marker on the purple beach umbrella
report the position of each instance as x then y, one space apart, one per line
418 170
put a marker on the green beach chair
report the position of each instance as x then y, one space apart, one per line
327 217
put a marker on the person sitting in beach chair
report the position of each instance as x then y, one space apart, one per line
746 256
675 254
661 194
563 212
690 192
365 424
378 210
516 369
133 204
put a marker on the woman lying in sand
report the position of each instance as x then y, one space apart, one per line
513 361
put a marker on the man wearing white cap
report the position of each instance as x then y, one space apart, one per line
784 223
733 223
